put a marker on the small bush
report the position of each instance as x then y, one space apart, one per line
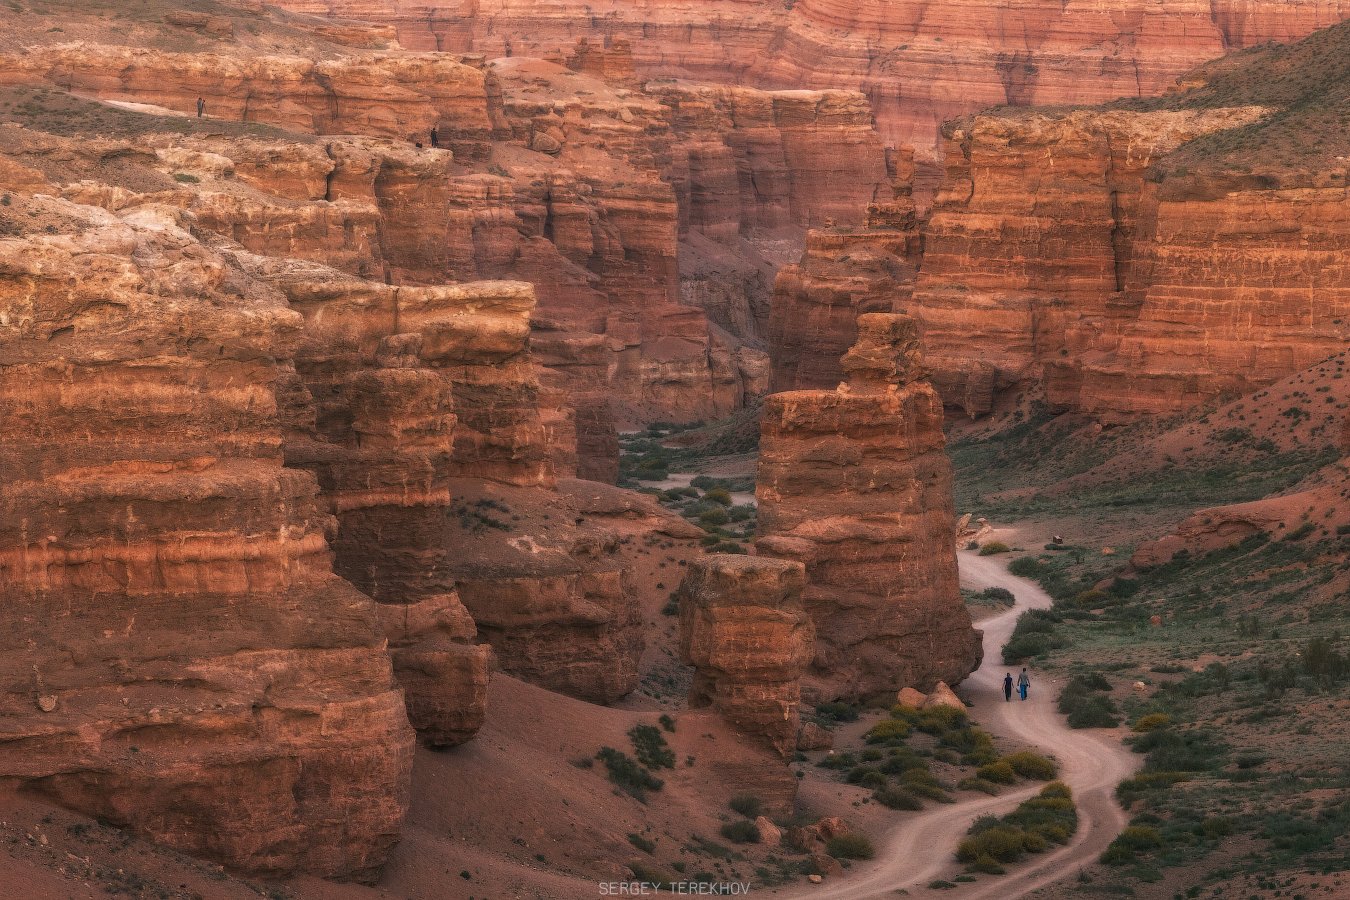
651 747
1031 765
742 831
998 595
850 846
1151 721
888 731
837 712
747 805
994 547
715 516
630 777
1133 840
641 843
719 495
897 798
997 772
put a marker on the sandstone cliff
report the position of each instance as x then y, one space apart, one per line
855 484
181 658
1144 259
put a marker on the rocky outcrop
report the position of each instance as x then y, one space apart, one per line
744 630
393 95
919 63
855 484
844 273
180 657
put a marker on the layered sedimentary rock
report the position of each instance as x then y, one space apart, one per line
844 273
1143 260
180 657
919 63
395 95
855 484
379 375
744 630
751 170
1032 234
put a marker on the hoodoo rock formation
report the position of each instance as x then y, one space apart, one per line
180 657
855 484
919 63
744 630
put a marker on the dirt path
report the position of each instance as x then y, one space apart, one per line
1091 763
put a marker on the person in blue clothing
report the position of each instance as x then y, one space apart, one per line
1023 683
1007 688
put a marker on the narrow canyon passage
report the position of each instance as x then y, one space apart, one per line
1092 762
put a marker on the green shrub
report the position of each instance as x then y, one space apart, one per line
888 731
998 595
837 712
850 846
897 798
1031 765
979 784
641 843
719 495
1085 707
630 777
715 516
651 748
1151 721
994 547
997 772
1133 840
741 831
747 805
1047 818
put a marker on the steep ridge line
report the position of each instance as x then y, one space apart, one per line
1092 763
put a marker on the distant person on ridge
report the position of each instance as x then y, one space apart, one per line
435 137
1007 688
1023 682
201 107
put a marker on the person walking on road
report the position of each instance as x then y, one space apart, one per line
1023 683
435 136
1007 688
201 107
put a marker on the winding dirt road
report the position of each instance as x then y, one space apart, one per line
1092 763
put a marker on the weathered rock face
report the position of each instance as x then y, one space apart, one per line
844 273
855 484
180 657
393 95
919 63
1141 262
1032 235
744 630
372 415
752 169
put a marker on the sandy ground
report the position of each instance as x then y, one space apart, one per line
1092 762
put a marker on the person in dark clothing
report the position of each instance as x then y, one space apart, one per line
435 137
1023 684
1007 688
201 107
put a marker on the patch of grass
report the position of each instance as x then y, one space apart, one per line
993 548
644 844
1031 765
1086 706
